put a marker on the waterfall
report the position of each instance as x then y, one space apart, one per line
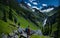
44 22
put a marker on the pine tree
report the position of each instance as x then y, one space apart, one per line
15 20
4 17
10 14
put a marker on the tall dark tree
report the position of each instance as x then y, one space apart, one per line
13 4
10 14
5 2
4 17
58 20
15 20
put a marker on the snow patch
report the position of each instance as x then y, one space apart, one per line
35 3
29 4
44 4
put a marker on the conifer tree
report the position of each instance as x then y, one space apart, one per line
4 17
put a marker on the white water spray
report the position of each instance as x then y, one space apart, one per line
44 22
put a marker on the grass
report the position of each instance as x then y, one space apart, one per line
37 36
4 27
24 23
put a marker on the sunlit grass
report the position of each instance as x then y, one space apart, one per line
4 27
37 36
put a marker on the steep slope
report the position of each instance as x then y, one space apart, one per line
10 24
12 18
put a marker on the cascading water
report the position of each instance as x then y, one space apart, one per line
44 22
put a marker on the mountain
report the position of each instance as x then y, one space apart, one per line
47 7
23 4
12 16
34 16
49 10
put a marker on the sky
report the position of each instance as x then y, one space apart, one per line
40 3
